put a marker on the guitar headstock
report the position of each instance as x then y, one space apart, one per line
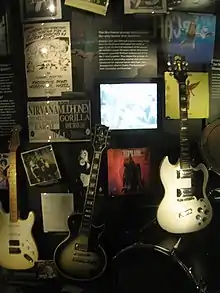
15 139
178 67
100 140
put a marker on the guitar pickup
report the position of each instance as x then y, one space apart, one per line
14 243
13 250
81 247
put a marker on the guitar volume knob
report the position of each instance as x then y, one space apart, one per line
200 210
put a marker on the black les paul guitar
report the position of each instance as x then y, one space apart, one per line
80 257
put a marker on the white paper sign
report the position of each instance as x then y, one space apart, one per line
56 208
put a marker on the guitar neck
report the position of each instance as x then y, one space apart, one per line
91 194
13 208
185 161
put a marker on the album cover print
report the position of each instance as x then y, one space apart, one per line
41 166
128 170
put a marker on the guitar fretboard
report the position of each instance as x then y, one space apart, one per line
12 181
91 193
184 137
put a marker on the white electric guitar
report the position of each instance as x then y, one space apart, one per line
185 207
18 250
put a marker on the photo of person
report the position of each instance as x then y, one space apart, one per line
4 164
145 6
84 167
41 166
42 9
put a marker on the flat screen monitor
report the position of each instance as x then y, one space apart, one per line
129 106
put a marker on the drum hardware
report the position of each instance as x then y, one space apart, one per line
208 145
158 261
153 221
175 247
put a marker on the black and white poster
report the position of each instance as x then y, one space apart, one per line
205 6
65 120
40 10
41 166
48 59
95 6
143 6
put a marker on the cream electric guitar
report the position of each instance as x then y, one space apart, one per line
80 257
185 207
18 250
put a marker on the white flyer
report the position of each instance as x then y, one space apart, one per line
56 208
48 59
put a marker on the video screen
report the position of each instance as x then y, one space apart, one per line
129 105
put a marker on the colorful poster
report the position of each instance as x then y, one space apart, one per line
128 170
48 59
191 35
197 94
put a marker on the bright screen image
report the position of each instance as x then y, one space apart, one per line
129 106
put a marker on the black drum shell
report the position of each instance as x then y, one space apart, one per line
160 267
210 145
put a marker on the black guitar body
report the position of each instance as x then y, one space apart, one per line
80 257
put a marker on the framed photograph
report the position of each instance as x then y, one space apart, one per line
40 10
144 6
41 166
4 164
4 40
95 6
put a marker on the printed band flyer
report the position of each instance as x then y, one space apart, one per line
128 170
48 59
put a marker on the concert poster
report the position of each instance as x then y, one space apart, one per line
41 166
197 94
128 170
4 164
191 35
64 120
48 59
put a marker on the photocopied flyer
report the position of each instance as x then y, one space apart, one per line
48 59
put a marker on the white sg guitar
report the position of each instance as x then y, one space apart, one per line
18 250
185 207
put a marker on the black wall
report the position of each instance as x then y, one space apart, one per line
124 216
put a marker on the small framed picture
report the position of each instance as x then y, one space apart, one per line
41 166
4 39
40 10
144 6
4 164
